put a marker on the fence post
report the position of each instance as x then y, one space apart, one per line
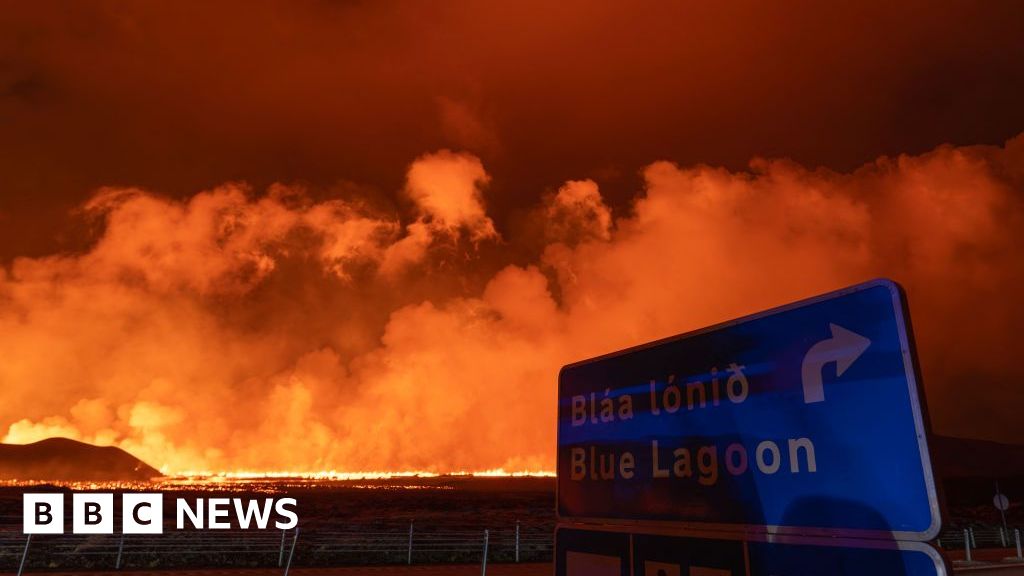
24 555
408 558
974 542
280 554
517 540
967 543
291 554
1016 539
120 549
483 565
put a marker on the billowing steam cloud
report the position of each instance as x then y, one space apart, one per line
244 329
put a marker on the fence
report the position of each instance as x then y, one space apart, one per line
336 545
326 545
982 537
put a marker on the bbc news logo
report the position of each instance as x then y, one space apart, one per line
93 513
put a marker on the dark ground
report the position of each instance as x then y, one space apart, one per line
367 523
341 523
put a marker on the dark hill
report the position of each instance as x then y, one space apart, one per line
61 459
969 458
968 471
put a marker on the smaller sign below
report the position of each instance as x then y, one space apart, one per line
1001 502
686 556
591 553
582 552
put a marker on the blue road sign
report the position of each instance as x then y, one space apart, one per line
604 553
800 420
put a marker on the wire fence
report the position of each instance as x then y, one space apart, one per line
338 544
330 545
981 537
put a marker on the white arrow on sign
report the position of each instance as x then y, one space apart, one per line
843 348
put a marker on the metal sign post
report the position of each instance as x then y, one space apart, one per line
1002 503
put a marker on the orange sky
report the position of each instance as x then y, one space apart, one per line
366 235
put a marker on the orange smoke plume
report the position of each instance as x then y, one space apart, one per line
239 330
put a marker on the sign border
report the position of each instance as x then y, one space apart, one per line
922 429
